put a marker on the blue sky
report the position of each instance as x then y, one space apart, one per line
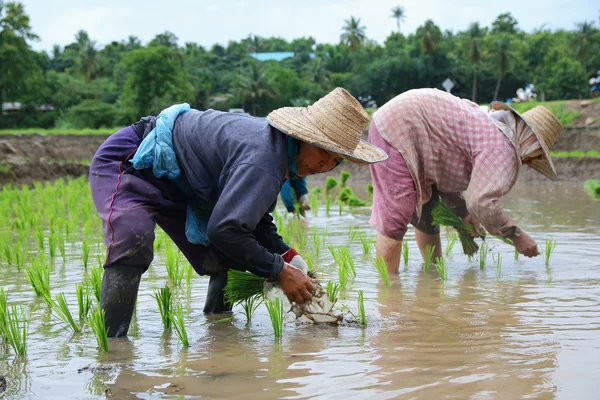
209 22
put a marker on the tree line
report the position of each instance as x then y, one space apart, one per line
90 86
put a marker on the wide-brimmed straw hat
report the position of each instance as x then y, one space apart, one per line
334 123
546 128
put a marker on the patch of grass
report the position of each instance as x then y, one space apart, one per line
277 315
362 315
576 153
179 326
96 321
382 269
163 298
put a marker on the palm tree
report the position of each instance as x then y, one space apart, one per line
316 71
399 14
86 59
254 85
503 58
429 36
353 34
475 33
584 42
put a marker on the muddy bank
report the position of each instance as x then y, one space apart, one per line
28 158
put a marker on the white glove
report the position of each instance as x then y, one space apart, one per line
299 263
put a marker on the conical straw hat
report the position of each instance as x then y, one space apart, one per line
334 123
546 128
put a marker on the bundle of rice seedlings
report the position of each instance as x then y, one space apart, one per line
383 271
593 186
95 280
242 285
444 216
366 243
39 277
3 313
370 188
355 202
84 300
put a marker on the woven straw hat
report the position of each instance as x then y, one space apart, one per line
334 123
546 128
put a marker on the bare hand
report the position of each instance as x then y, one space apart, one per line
525 245
296 285
469 219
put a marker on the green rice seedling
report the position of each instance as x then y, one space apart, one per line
242 285
39 278
347 259
327 205
383 271
317 240
39 234
174 271
442 268
354 232
429 250
250 305
341 208
3 314
356 202
550 245
96 274
163 298
444 216
189 274
370 188
344 176
16 329
309 262
52 245
483 252
516 254
330 184
61 308
362 315
7 250
179 325
498 265
96 322
405 252
277 315
313 200
85 252
345 194
343 276
593 186
333 290
84 300
450 245
366 242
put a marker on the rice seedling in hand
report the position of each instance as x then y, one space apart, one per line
483 252
16 328
442 268
429 250
39 278
333 290
60 307
96 322
277 315
362 315
84 300
96 274
444 216
550 245
405 252
242 285
163 298
179 325
250 305
383 271
344 176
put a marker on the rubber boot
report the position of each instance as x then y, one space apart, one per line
215 296
119 293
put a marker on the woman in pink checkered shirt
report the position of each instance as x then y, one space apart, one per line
441 146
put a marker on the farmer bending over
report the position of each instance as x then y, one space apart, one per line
439 146
210 180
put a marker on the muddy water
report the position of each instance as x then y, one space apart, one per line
522 331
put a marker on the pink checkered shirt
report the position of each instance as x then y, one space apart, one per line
453 144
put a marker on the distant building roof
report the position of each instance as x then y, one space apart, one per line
277 56
17 106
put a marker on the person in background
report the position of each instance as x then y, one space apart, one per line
299 188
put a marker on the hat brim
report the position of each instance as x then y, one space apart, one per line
544 166
301 128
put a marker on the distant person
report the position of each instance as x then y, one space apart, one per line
287 195
442 146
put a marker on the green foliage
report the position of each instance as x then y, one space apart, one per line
593 186
91 114
330 183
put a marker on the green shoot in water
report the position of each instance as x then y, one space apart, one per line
327 205
451 242
429 250
383 271
550 245
362 315
341 208
179 326
366 243
84 300
163 298
39 234
405 252
189 274
174 271
3 314
516 254
344 176
85 252
483 252
277 315
317 240
16 328
52 245
96 322
39 277
333 290
442 268
309 262
61 246
96 274
330 183
60 307
314 203
242 285
498 265
250 305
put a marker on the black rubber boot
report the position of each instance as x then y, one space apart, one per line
215 296
119 293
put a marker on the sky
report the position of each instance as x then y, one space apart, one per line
219 21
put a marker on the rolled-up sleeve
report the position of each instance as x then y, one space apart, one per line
246 195
494 173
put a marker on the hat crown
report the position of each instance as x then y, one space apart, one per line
340 117
545 124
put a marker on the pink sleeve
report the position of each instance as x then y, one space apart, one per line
494 173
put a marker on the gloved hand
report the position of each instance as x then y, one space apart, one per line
304 204
293 258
